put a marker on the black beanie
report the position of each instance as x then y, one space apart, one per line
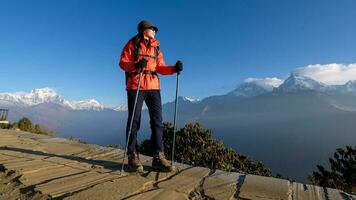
145 24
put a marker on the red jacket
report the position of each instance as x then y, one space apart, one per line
148 81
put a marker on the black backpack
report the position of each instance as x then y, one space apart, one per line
136 40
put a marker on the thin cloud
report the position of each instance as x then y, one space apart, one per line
267 83
331 74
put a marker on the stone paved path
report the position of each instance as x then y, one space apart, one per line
44 168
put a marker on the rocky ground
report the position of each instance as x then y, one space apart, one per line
42 167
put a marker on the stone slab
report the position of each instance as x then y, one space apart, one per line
23 153
121 188
14 160
186 180
221 185
79 164
47 174
28 165
59 160
100 154
61 148
334 194
259 187
73 183
5 157
307 192
159 194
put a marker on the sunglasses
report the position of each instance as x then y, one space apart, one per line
153 29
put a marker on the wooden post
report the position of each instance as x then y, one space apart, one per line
3 116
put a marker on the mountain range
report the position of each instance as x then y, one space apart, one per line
294 83
291 125
47 95
250 88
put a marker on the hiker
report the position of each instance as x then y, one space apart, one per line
142 55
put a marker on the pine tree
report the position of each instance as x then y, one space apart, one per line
343 171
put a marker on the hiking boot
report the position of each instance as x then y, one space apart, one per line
160 163
134 163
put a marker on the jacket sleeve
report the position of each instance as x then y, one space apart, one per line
126 60
162 68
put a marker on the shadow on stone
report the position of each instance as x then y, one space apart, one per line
110 165
240 182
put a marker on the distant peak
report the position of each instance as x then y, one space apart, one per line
93 101
45 90
256 86
298 77
122 107
300 83
351 82
267 83
188 99
88 104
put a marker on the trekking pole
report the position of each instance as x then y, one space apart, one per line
131 121
175 119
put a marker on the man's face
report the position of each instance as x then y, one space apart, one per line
150 33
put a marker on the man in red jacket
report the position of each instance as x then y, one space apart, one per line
142 55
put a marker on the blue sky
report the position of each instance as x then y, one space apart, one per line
74 46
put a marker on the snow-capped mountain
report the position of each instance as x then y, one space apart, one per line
47 95
188 99
266 83
254 87
90 104
122 107
36 96
296 83
42 95
301 83
350 86
250 89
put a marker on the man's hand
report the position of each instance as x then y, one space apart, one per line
178 67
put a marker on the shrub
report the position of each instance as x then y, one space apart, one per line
25 124
196 146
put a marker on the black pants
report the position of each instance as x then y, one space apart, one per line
153 102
